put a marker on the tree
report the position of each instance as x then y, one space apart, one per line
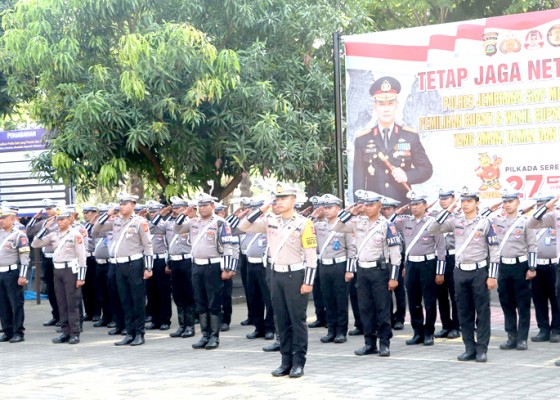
119 88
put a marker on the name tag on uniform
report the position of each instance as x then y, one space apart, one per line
261 242
547 241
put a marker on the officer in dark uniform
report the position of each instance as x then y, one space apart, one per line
388 157
227 303
89 290
446 291
14 264
388 207
543 285
318 298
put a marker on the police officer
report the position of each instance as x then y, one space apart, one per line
215 253
292 245
425 266
388 208
543 285
227 303
180 267
378 256
132 251
318 214
258 293
446 290
475 241
69 261
334 249
548 217
101 255
518 265
159 286
14 264
89 290
388 157
242 264
33 227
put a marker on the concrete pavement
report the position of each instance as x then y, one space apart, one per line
166 368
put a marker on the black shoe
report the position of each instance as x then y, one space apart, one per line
152 326
384 351
316 324
428 340
224 327
87 317
99 323
296 372
366 350
329 338
112 324
178 332
554 338
96 318
58 330
138 340
114 331
541 337
189 332
124 332
125 341
74 340
247 322
340 338
164 327
522 345
416 339
282 370
50 322
269 336
441 334
557 363
213 343
272 347
17 338
58 323
203 341
356 332
510 344
254 335
5 338
453 334
481 358
466 356
399 326
61 339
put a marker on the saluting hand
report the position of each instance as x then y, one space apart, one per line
452 206
400 210
243 213
39 213
552 202
165 211
495 206
357 209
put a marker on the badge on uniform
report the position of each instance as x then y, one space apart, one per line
336 245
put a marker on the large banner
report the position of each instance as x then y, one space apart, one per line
473 104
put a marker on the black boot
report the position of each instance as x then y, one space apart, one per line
215 325
205 329
510 344
181 328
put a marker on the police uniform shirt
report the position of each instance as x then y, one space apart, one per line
384 242
546 243
35 226
68 247
300 246
520 242
546 219
484 241
102 241
255 245
180 242
428 243
405 152
339 244
211 238
91 241
130 237
15 249
158 233
448 236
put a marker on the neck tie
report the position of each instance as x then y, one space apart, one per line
386 138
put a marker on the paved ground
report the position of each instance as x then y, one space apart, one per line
169 368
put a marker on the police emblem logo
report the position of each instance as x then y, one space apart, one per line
279 188
510 44
490 40
553 36
386 86
533 40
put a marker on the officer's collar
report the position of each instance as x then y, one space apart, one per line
391 128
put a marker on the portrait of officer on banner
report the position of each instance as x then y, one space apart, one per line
388 157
